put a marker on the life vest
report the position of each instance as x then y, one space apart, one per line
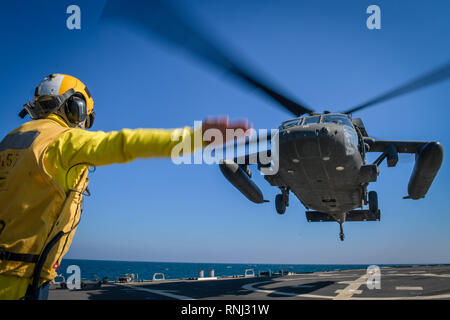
37 218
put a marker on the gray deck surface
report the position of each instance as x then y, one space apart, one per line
417 282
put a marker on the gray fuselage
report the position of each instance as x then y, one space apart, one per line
320 163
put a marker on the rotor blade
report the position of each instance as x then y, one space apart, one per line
437 75
157 17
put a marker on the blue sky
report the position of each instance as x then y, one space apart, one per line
318 51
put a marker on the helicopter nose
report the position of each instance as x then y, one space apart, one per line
314 141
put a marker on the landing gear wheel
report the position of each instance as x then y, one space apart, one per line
280 204
282 200
373 202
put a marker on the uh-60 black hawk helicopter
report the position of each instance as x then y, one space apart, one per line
322 157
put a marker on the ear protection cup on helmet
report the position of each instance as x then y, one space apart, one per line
76 109
90 120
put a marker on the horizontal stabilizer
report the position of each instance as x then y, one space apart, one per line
362 215
354 215
315 216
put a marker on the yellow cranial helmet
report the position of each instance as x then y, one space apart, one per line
57 90
58 84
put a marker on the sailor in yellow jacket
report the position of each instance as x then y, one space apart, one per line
43 176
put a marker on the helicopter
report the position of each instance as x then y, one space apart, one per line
322 156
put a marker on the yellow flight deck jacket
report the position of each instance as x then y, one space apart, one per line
43 176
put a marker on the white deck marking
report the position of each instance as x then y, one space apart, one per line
161 292
438 296
435 275
409 288
352 288
419 274
251 287
346 293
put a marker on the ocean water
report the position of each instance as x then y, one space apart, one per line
98 269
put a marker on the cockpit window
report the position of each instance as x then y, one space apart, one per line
313 119
337 118
290 123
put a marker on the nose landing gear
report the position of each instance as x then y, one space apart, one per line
341 231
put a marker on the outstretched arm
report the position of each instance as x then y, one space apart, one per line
77 147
